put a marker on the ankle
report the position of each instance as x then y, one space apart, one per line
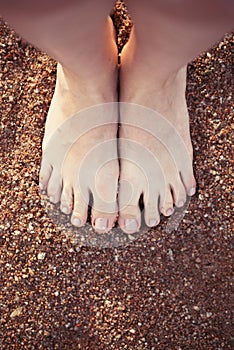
86 90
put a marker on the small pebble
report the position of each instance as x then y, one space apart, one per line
41 255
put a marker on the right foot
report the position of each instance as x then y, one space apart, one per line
89 165
155 145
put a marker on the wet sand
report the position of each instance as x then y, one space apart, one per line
165 290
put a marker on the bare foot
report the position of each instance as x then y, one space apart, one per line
155 146
80 148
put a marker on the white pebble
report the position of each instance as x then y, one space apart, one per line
41 255
132 331
196 308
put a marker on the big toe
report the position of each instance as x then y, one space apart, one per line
104 191
103 221
129 211
104 211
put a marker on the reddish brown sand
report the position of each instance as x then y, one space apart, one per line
163 291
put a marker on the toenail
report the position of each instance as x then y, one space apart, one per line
152 222
180 204
169 211
65 210
101 223
131 225
192 191
52 199
76 222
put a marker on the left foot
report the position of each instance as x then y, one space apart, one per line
155 145
80 158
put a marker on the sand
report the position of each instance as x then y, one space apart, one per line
165 290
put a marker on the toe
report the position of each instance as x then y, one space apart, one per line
44 176
103 221
104 215
54 188
166 202
129 212
189 182
130 219
152 216
67 200
179 193
104 191
79 214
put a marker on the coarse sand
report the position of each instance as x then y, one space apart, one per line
169 291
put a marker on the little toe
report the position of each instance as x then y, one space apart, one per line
189 182
44 176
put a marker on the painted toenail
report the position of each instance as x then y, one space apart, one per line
169 211
180 204
101 223
192 191
76 222
152 222
131 225
65 210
